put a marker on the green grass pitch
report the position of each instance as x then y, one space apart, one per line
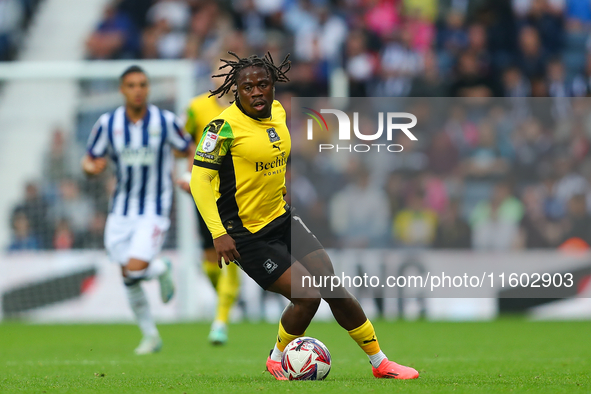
509 355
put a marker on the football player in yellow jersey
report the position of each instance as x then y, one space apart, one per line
247 146
202 109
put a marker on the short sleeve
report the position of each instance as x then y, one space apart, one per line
216 141
191 124
178 138
98 141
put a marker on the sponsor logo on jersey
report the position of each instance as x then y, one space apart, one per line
278 162
143 156
205 155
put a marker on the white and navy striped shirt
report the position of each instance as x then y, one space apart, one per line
142 153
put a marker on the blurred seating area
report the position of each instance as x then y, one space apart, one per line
64 210
15 16
510 176
490 174
386 47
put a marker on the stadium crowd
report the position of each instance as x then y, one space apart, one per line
498 179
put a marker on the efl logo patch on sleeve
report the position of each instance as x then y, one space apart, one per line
210 141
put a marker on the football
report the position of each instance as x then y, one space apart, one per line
305 358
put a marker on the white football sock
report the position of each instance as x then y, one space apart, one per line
377 359
156 268
218 325
141 309
137 275
276 354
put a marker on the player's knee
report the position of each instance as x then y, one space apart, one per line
309 304
338 292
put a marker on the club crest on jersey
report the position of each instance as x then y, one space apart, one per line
210 142
269 266
273 136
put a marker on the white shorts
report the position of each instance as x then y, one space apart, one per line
137 237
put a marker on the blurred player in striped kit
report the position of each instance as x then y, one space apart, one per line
202 109
141 140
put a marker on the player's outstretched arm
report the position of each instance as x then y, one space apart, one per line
184 180
93 166
202 191
184 153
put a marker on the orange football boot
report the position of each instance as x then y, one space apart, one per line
390 370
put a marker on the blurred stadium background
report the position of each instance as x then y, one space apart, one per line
469 179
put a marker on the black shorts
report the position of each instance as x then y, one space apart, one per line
268 253
206 238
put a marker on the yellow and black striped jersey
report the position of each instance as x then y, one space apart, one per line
250 157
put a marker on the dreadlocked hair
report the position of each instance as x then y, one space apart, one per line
277 73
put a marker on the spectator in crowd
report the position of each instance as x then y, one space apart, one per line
325 41
579 220
94 237
63 238
578 14
359 214
453 232
311 207
470 80
478 47
536 231
488 160
452 37
429 83
383 17
395 189
73 209
22 238
35 208
581 83
531 57
532 149
554 207
436 197
415 225
116 37
549 23
360 63
399 64
58 160
442 154
461 131
495 223
166 36
569 182
557 83
252 22
421 30
514 83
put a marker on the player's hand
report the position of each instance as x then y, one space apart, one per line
184 182
93 166
225 246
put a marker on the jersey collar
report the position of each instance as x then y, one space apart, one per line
237 102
